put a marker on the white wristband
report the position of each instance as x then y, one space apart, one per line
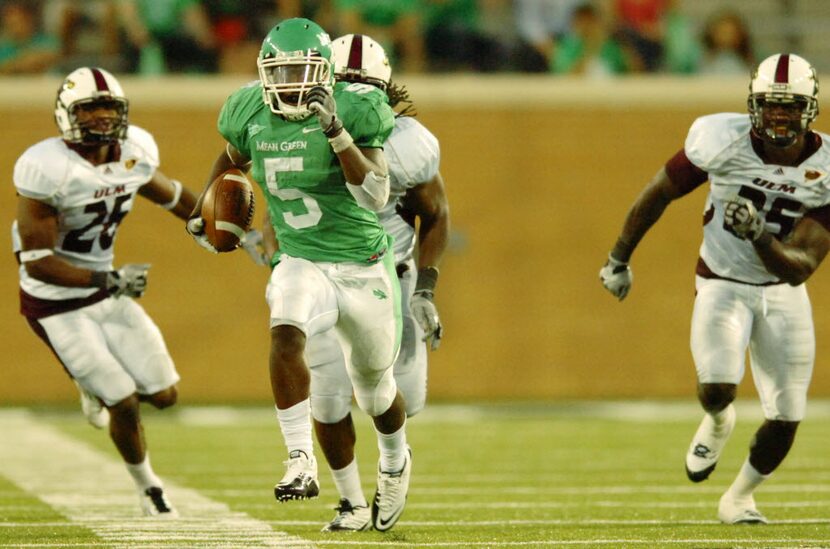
34 255
341 141
177 194
614 262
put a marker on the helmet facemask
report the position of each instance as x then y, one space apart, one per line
295 57
287 78
781 120
88 125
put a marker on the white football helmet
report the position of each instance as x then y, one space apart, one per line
80 89
789 83
358 58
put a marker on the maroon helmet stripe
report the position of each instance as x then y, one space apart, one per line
356 53
100 81
782 70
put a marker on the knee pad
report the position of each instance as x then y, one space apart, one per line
330 408
376 399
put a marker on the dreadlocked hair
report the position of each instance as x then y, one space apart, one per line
399 97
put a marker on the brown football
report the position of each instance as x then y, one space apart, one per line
228 210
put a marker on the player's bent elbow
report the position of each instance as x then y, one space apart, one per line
796 280
796 277
372 193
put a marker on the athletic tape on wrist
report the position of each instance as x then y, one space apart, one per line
614 262
623 250
341 141
427 279
34 255
177 195
99 279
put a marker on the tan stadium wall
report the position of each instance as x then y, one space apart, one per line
540 173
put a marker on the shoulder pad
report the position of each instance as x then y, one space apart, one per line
142 139
412 152
239 108
711 135
40 171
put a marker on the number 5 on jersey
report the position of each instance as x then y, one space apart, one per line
305 210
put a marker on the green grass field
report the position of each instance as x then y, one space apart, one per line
565 474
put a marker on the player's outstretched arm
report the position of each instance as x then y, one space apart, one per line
798 257
616 275
170 194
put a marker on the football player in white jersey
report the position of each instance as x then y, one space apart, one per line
73 192
766 229
417 191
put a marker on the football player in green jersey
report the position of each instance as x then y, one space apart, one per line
315 149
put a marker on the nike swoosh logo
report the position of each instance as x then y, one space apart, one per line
309 130
387 521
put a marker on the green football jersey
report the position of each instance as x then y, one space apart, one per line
314 215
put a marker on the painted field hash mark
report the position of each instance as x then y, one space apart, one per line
95 491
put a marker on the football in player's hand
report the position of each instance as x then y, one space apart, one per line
228 210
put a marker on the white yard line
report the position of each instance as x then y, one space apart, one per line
620 490
633 411
94 490
820 504
447 524
696 543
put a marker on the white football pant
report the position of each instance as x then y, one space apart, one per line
360 302
112 348
331 390
775 322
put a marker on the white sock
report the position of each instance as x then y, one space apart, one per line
347 481
720 417
392 450
143 474
746 482
295 424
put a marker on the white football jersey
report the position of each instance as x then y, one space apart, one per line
720 145
90 200
413 156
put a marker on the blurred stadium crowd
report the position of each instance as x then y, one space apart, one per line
594 38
